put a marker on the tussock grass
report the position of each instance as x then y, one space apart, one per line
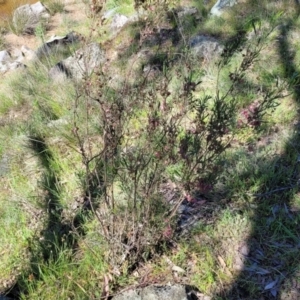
56 6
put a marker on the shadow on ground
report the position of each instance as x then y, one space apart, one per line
271 268
59 233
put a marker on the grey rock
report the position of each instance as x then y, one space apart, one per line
16 65
205 46
187 11
81 64
166 292
118 22
184 14
28 53
7 63
4 56
220 6
108 14
23 55
56 44
27 17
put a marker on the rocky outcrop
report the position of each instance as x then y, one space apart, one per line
164 292
7 63
27 17
221 6
118 22
185 15
57 44
186 11
81 64
205 47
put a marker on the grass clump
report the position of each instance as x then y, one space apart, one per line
56 6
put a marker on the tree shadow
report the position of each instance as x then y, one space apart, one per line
59 233
271 263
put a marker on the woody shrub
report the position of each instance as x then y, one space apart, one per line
148 146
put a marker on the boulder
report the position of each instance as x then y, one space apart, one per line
108 14
187 11
57 43
23 55
7 63
221 6
186 16
27 17
4 56
154 292
118 22
81 64
205 47
28 53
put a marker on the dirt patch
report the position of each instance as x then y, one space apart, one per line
14 41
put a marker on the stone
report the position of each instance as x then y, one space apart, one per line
7 63
28 53
81 64
186 16
220 6
16 65
118 22
57 43
4 56
187 11
108 14
205 47
23 55
155 292
27 17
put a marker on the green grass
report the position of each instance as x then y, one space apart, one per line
52 247
122 7
56 6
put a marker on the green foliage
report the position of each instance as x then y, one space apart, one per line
54 6
110 163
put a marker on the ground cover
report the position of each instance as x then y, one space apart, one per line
88 171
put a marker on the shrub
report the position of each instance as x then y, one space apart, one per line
157 142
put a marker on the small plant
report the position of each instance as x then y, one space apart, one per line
55 6
97 6
40 32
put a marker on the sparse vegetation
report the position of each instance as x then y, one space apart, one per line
159 166
55 6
